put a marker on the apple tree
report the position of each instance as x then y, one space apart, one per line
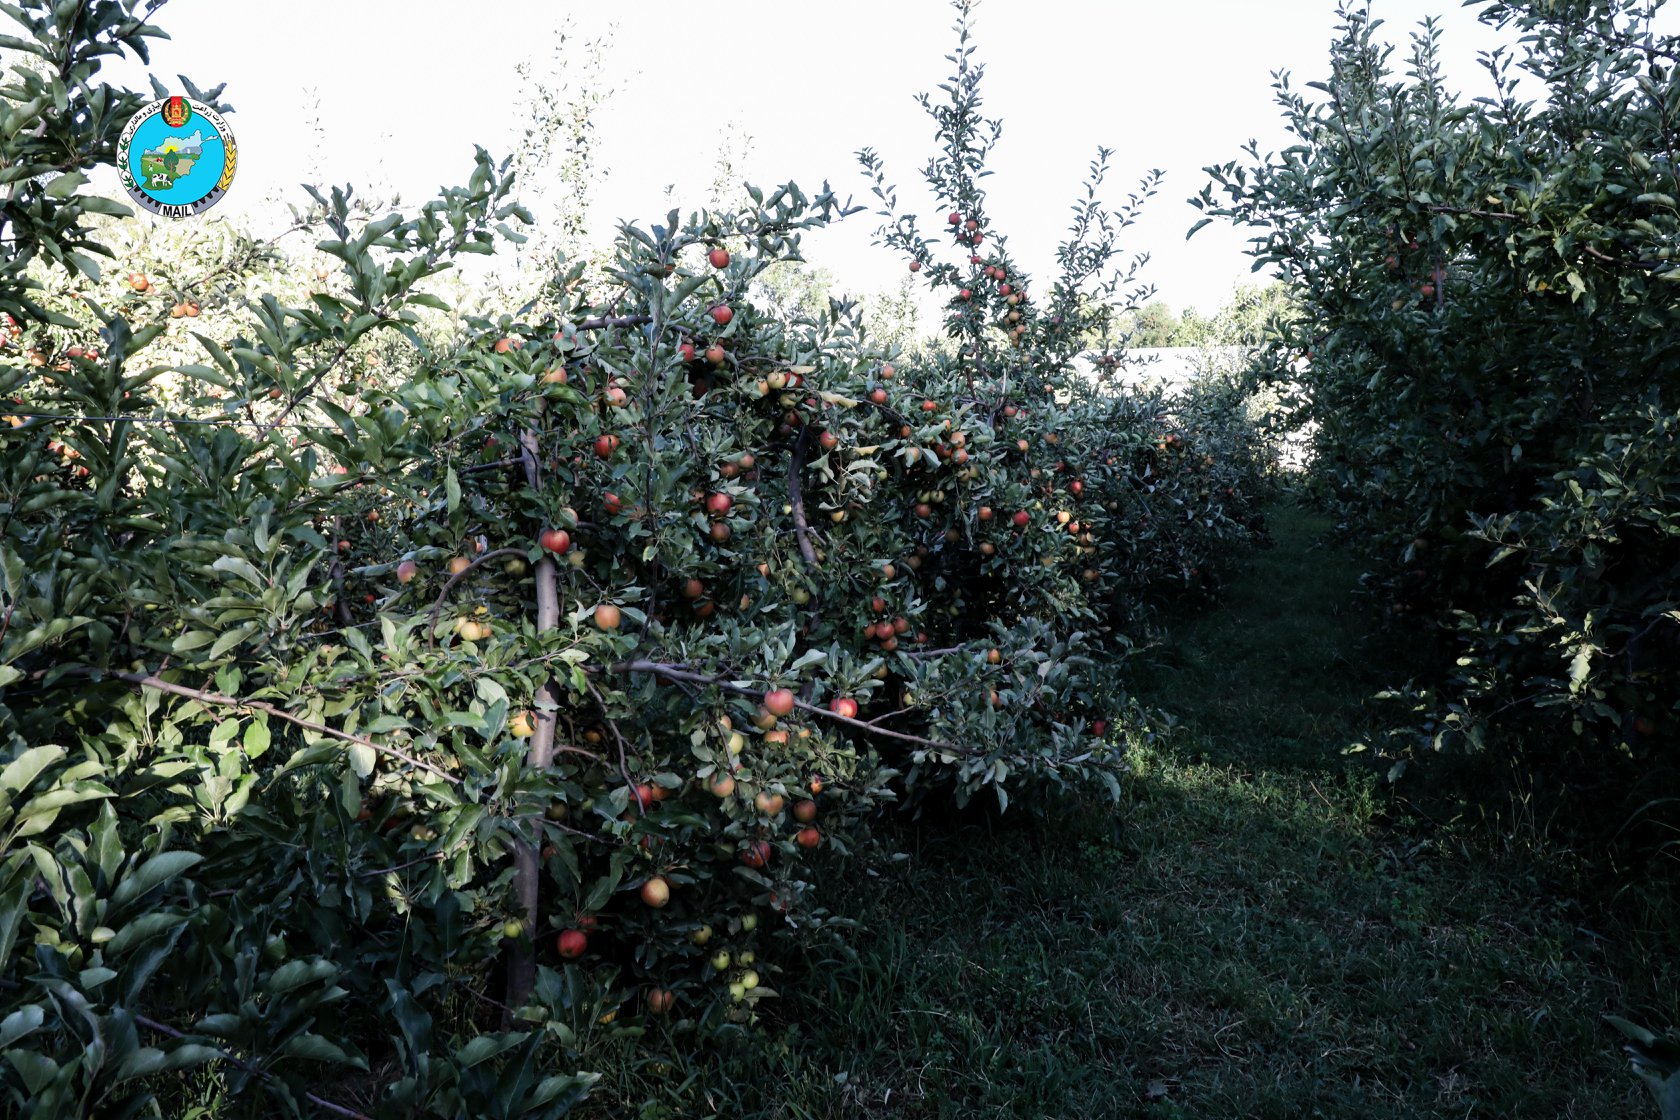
1489 326
391 687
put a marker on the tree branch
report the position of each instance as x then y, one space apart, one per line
678 673
449 585
614 321
148 680
319 1102
796 496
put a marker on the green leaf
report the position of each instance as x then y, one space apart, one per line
24 1021
485 1047
243 568
314 1048
21 773
38 814
36 1070
65 185
257 737
315 754
295 974
154 873
191 640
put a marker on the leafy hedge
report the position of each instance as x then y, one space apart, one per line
1491 338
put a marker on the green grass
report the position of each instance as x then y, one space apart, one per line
1260 931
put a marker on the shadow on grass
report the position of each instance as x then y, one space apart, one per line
1254 939
1284 670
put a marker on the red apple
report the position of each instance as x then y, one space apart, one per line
557 541
656 892
721 315
779 701
572 943
719 257
844 706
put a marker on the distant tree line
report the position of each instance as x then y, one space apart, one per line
1241 322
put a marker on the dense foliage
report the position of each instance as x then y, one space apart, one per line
1491 333
396 700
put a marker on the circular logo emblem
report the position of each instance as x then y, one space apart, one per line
177 157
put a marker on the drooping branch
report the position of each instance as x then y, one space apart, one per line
888 411
336 1109
679 673
614 321
148 680
623 748
449 585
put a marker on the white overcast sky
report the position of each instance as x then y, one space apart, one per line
408 86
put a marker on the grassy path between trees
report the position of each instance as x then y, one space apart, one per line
1263 935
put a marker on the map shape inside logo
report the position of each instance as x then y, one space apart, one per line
177 157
